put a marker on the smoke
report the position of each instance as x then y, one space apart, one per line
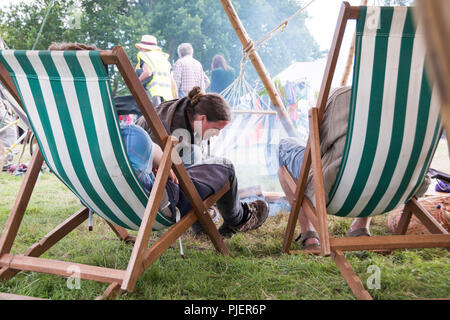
294 43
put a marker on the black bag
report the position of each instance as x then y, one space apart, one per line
126 105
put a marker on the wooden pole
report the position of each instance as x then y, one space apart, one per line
349 64
247 43
436 27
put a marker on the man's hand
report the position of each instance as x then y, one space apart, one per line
172 175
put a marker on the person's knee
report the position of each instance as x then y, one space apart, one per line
291 153
286 148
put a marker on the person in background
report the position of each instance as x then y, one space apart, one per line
8 135
154 71
188 72
222 75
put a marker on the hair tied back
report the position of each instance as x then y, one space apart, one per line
195 94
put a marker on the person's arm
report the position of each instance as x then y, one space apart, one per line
146 73
174 88
177 74
157 157
206 80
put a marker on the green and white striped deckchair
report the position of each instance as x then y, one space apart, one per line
67 98
394 121
393 130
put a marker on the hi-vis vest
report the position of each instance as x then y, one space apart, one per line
161 83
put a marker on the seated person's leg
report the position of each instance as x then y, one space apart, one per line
290 154
140 150
210 178
359 227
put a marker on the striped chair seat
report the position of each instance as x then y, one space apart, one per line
67 98
394 123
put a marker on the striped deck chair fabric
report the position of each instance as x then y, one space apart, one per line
394 122
67 98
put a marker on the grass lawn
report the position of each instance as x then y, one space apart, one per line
255 270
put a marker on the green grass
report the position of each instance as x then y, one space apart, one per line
256 269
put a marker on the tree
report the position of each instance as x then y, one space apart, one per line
295 43
105 24
22 21
203 23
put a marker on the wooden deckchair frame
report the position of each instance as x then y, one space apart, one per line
318 216
141 257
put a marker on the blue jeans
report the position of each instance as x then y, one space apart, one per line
139 147
290 154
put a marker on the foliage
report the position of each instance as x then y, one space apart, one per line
21 22
201 22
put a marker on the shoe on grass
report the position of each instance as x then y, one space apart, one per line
306 236
256 213
197 227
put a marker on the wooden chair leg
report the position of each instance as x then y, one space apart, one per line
289 190
18 210
350 276
316 161
288 184
112 291
134 265
121 233
9 296
199 209
426 218
49 240
297 199
310 211
155 251
403 223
